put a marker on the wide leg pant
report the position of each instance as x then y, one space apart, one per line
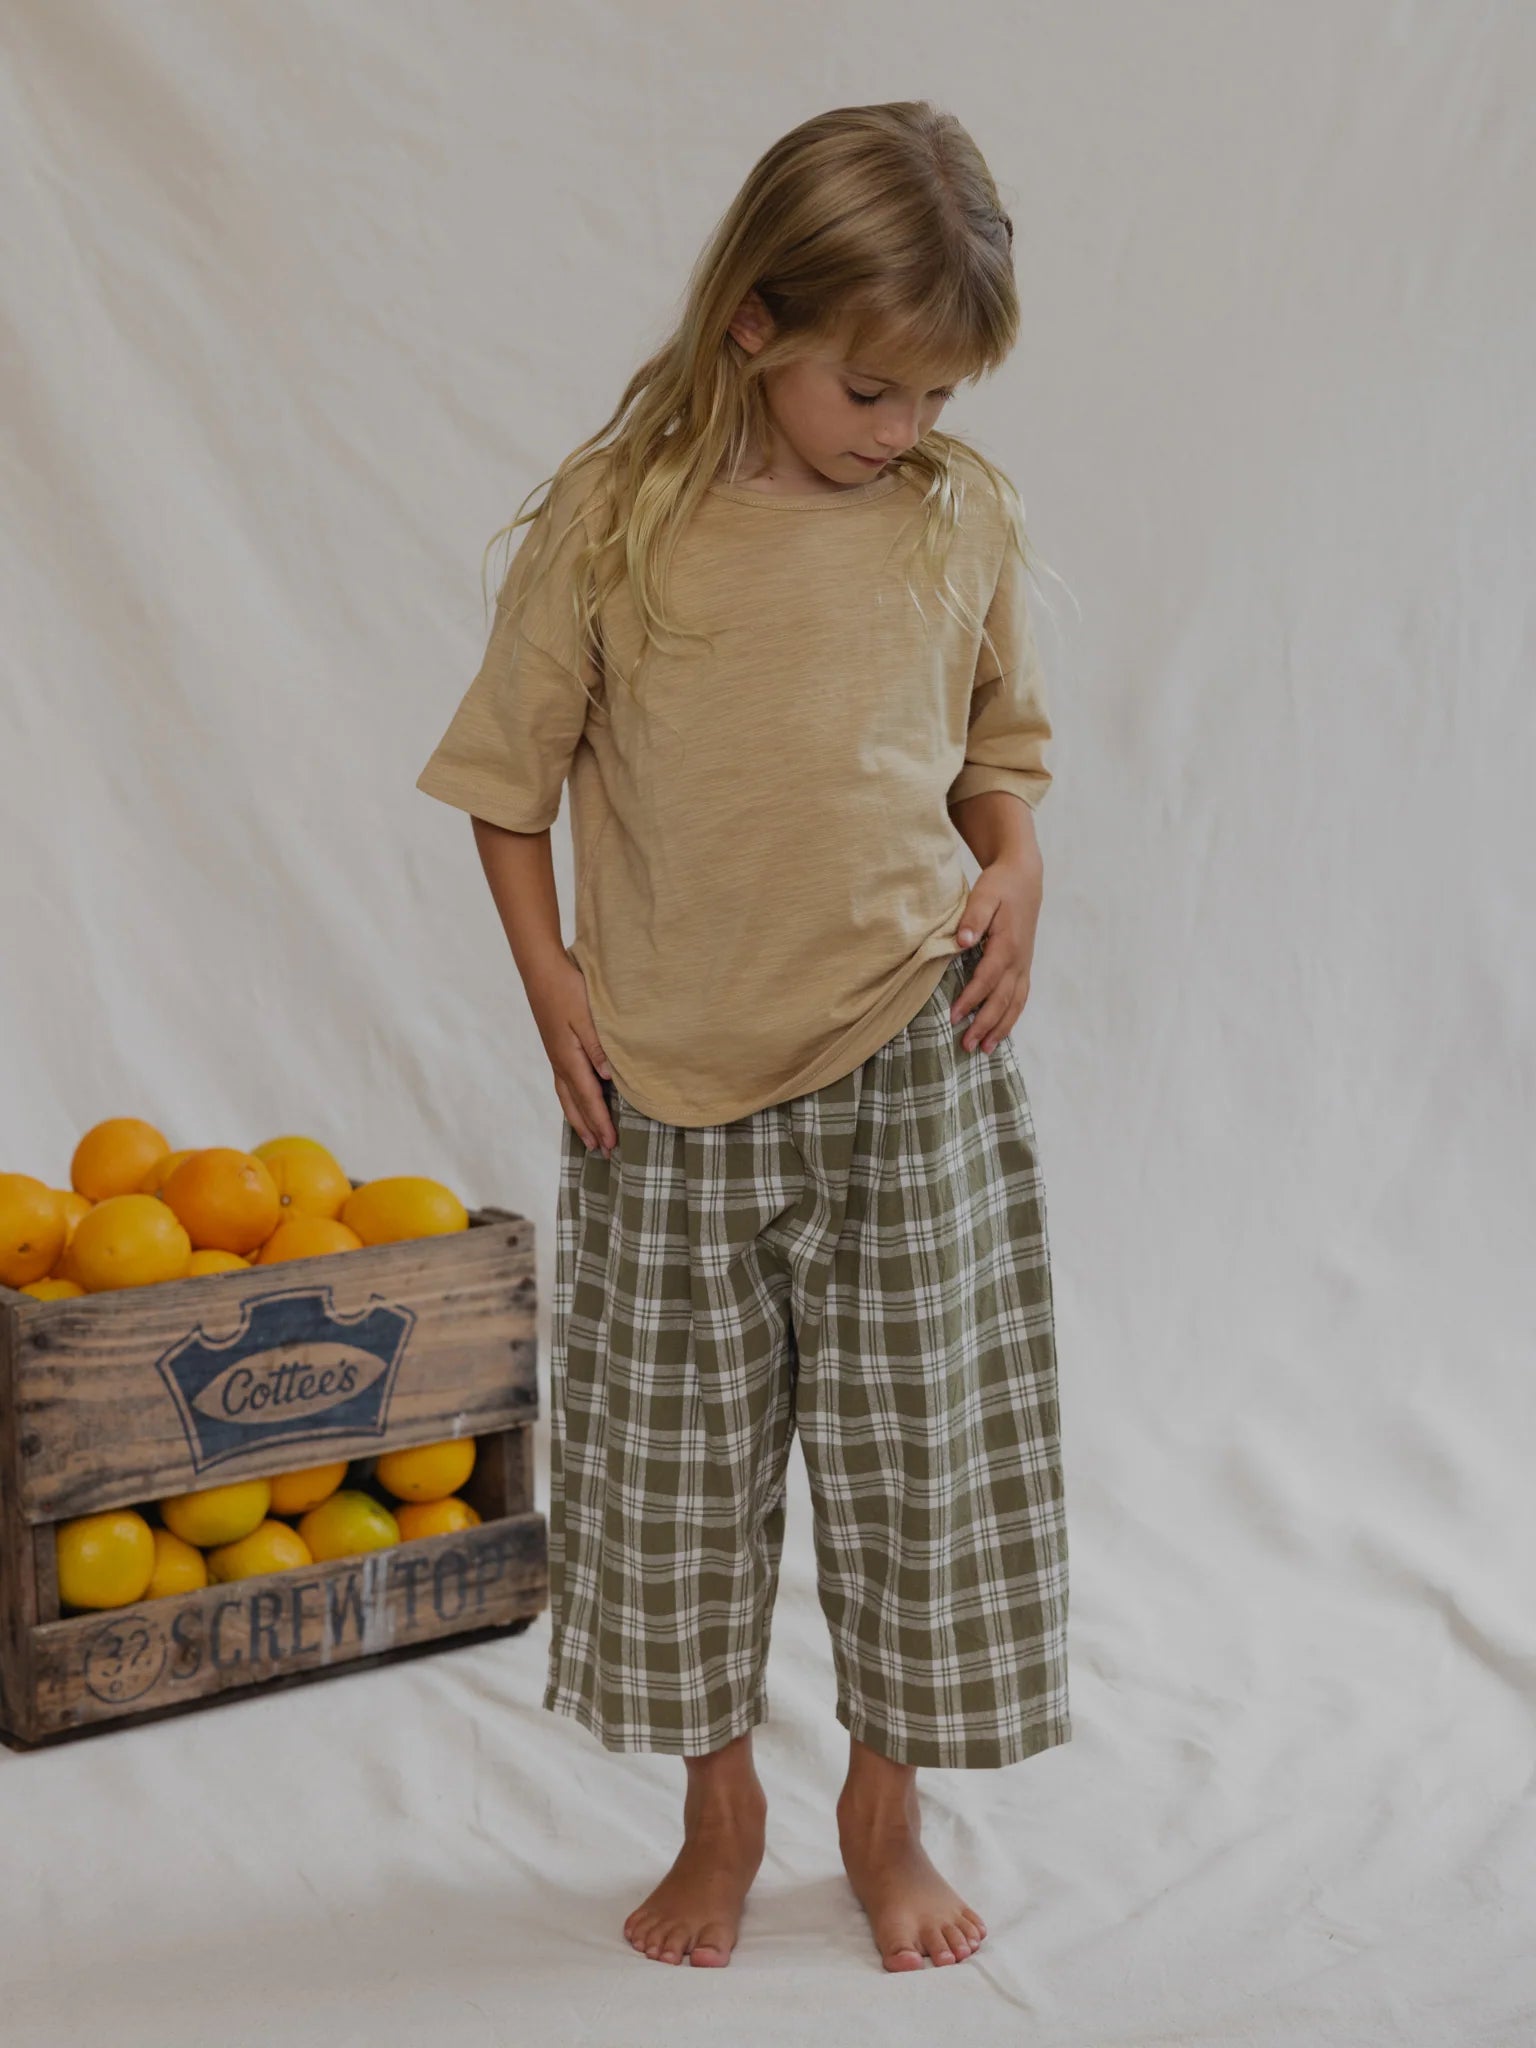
868 1263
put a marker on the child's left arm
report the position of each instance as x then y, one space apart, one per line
992 802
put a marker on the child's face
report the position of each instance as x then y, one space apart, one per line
843 419
848 419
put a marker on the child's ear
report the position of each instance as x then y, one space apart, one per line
752 323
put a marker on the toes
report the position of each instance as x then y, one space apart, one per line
937 1945
715 1938
959 1941
905 1956
671 1941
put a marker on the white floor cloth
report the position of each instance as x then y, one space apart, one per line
299 301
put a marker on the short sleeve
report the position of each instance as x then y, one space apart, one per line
509 746
1010 716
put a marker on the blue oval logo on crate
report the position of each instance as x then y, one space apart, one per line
296 1367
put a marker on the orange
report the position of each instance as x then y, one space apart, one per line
275 1148
32 1233
427 1471
216 1262
127 1241
294 1492
403 1205
179 1566
114 1156
161 1172
309 1181
348 1524
64 1268
53 1289
71 1207
104 1560
217 1514
434 1518
227 1199
270 1547
307 1237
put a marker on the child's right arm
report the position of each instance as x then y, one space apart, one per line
519 868
504 759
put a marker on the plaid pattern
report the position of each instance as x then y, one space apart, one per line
868 1262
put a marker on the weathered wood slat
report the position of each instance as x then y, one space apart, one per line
196 1645
146 1391
502 1481
18 1551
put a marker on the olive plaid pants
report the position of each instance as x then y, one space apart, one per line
869 1263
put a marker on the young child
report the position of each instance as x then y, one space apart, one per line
770 625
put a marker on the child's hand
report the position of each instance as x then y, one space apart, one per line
1004 906
557 995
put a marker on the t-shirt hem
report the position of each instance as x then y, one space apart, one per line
897 1011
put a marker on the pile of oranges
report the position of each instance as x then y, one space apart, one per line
250 1526
136 1212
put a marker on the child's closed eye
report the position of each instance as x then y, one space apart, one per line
874 397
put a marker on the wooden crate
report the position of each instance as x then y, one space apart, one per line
116 1399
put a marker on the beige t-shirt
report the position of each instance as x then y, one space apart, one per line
768 878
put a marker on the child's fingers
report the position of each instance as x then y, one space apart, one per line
983 1005
599 1060
591 1044
586 1110
975 992
571 1113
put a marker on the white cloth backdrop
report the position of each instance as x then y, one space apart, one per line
299 300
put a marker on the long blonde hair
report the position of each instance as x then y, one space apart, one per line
880 225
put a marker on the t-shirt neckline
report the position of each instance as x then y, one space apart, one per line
810 501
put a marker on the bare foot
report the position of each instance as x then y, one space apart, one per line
695 1911
913 1912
